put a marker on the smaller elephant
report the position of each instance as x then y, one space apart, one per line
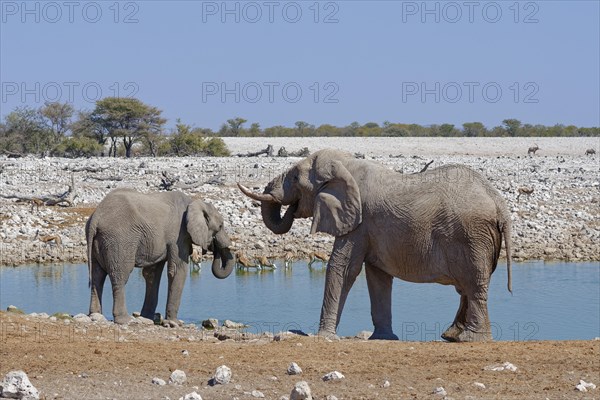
129 229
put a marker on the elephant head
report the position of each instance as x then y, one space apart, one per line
319 186
205 226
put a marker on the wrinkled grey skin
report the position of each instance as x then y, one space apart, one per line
130 229
444 225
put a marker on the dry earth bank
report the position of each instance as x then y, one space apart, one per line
102 361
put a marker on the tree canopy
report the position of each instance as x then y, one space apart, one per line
128 127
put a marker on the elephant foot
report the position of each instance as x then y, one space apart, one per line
452 334
457 334
122 319
147 314
383 335
468 335
170 323
328 335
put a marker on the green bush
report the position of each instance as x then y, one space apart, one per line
74 147
216 147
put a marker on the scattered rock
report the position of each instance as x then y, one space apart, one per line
97 317
504 367
141 321
331 397
222 375
257 394
233 325
191 396
14 309
294 369
333 376
301 391
178 377
185 352
364 335
440 391
583 386
479 385
281 336
211 323
158 381
16 385
82 318
386 384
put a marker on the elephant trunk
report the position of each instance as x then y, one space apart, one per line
223 261
270 207
271 215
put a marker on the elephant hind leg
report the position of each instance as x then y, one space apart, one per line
120 314
152 276
477 326
453 332
97 281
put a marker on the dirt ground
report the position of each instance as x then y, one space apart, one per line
79 361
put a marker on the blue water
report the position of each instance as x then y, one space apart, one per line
551 301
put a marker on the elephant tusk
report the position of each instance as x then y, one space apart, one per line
256 196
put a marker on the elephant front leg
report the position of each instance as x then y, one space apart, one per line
152 276
344 266
380 291
177 274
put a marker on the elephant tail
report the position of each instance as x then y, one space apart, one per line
90 232
506 232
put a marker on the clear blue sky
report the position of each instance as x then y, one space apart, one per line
362 61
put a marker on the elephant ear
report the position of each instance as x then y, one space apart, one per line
337 209
196 223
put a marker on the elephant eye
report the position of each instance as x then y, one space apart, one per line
296 179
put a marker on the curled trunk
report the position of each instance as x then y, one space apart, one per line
223 261
271 215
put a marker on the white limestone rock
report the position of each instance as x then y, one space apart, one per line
16 385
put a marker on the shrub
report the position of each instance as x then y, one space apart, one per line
74 147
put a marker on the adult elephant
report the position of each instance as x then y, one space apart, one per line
444 225
130 229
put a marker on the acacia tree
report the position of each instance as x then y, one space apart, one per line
25 131
59 117
235 125
512 126
127 119
474 129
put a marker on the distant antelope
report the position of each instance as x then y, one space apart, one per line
51 238
533 150
196 260
524 190
264 262
590 152
244 261
288 258
317 255
36 203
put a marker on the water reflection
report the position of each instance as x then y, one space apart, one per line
543 305
49 273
